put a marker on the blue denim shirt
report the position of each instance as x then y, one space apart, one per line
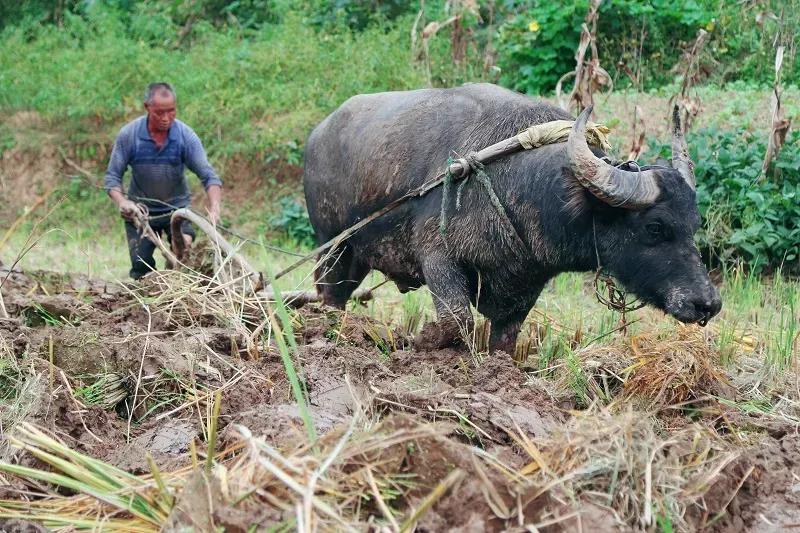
157 175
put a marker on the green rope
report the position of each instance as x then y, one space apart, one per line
447 186
461 189
483 178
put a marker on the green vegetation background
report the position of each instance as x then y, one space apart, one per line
254 76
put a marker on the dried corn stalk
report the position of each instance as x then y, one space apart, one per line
780 124
689 105
639 127
589 75
459 36
639 131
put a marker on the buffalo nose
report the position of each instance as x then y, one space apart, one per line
708 307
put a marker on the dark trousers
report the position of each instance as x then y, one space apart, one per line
141 248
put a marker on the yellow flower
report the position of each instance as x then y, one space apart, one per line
711 25
533 26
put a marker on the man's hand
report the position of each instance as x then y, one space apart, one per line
213 214
214 194
128 209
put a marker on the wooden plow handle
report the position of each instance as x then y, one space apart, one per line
296 298
178 246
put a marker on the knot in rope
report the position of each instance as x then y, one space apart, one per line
472 165
615 298
141 219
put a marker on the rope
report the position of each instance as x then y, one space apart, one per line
447 184
638 180
557 131
141 219
615 298
474 167
219 227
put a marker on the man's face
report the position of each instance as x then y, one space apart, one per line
161 111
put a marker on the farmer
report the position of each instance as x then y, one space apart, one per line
157 146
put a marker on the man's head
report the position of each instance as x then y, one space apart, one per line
160 103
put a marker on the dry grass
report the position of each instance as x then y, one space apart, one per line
623 463
387 475
336 484
661 369
622 457
672 370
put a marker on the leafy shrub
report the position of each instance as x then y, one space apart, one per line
13 11
355 14
292 220
536 45
747 216
743 40
256 95
245 14
668 28
537 40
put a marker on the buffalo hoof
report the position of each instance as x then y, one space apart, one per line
507 345
435 337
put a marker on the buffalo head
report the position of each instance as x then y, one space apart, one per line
644 221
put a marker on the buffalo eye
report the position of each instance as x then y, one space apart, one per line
655 230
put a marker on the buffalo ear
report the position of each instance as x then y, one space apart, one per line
576 197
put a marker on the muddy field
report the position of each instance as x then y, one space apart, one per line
444 440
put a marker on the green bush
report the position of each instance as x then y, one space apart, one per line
669 27
292 220
537 40
256 96
742 48
537 45
747 216
244 14
356 14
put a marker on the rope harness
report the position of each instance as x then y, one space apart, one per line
476 168
614 298
607 291
141 220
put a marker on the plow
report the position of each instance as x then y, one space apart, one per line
175 255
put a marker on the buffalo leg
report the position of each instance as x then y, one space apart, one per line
338 275
450 292
506 324
504 335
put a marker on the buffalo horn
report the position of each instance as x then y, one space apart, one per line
616 187
680 152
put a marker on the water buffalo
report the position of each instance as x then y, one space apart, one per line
568 207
